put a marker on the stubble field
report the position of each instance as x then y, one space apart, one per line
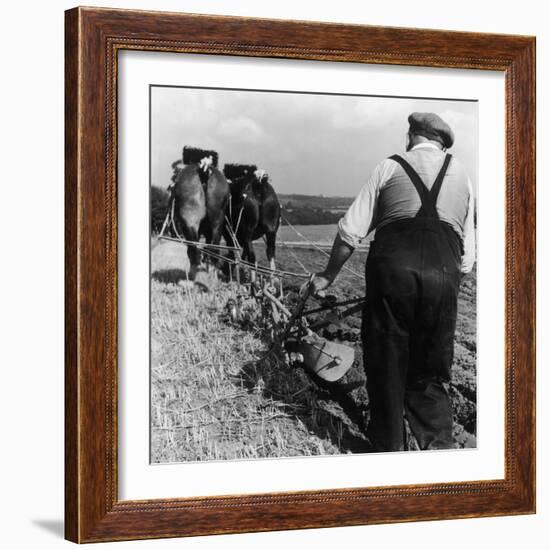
214 395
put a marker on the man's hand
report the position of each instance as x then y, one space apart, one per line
319 284
341 251
316 285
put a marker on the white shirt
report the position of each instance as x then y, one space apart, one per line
455 204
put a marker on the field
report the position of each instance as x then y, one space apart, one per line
318 234
315 233
316 201
215 396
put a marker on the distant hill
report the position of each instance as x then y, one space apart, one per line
313 209
297 209
316 201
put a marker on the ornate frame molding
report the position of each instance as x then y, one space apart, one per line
93 38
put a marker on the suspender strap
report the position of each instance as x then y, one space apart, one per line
427 197
436 187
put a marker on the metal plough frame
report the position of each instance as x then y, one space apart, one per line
293 337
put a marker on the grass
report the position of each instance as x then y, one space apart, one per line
212 398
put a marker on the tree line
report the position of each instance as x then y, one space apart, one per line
296 214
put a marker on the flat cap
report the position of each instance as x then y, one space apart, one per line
431 126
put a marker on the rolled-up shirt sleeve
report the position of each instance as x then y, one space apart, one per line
360 218
469 256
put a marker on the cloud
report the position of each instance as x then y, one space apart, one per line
309 143
453 117
241 129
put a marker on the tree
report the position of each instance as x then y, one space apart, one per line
160 202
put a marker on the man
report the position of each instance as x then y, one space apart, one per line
422 207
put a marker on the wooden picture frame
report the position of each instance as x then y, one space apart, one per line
93 511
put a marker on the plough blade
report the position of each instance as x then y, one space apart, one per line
328 360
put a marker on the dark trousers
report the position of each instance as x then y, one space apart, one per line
409 321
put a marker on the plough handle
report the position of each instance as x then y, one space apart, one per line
277 302
298 311
342 315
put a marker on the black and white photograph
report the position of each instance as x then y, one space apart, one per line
312 274
279 282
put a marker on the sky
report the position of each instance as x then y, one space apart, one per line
314 144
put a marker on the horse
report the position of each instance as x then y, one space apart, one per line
254 212
200 194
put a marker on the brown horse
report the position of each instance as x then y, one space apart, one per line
200 195
255 212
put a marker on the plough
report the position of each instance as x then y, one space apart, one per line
298 343
294 337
